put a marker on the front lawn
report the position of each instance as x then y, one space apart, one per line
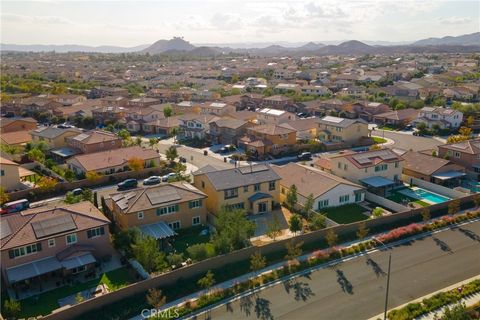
188 237
346 214
379 140
45 303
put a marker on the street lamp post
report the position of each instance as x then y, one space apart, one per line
388 279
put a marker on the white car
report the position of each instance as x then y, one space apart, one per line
167 177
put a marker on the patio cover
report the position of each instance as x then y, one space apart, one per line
377 181
64 152
158 230
448 175
258 196
32 269
78 261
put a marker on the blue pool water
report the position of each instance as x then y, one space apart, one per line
424 194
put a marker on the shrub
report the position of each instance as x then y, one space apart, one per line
201 251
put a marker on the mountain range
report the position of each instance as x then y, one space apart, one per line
177 45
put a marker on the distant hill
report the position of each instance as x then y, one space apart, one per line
68 48
472 39
175 44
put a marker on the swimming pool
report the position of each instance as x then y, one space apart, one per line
424 195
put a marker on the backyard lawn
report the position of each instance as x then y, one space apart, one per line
398 197
187 237
346 214
45 303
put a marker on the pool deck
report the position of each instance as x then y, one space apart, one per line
410 192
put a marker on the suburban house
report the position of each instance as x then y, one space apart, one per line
164 207
195 126
444 118
16 139
378 170
142 102
95 141
54 137
251 100
17 124
102 91
268 139
465 153
114 102
111 161
278 102
398 118
340 130
274 116
227 130
217 108
103 114
316 90
306 129
43 247
163 126
433 169
327 189
9 175
367 110
254 188
69 99
135 117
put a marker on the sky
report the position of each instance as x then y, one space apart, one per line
130 23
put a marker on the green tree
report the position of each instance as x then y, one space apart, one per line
307 208
148 254
257 262
152 142
456 312
124 134
207 281
295 223
79 297
47 183
71 199
167 111
125 239
292 198
362 231
175 259
11 308
155 298
293 249
36 155
273 228
331 237
317 222
171 153
69 175
233 226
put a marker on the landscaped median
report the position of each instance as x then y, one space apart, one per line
319 258
435 302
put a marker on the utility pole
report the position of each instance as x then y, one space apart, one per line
388 285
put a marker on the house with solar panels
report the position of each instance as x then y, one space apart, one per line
45 248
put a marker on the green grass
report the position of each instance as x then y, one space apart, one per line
346 214
187 237
398 197
379 140
45 303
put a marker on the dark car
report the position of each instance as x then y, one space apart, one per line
304 156
228 148
127 184
152 180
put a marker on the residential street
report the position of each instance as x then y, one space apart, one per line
356 289
408 141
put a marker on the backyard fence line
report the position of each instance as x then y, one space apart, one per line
199 268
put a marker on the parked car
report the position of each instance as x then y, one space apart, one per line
302 115
127 184
228 148
305 156
77 191
15 206
152 180
182 160
167 177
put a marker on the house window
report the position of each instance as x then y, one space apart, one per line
94 233
396 164
231 193
322 204
358 197
203 184
345 167
256 187
175 225
271 185
339 165
245 188
457 154
79 269
239 205
140 215
24 251
196 221
344 198
366 170
195 204
169 209
282 190
51 243
71 238
2 173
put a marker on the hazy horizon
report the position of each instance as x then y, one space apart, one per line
129 24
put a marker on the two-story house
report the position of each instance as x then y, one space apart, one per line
227 130
366 110
195 126
17 124
102 115
274 116
268 139
444 118
252 188
216 108
340 130
43 244
466 154
167 206
277 102
54 137
142 102
95 141
9 175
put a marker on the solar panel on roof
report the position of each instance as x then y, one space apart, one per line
50 226
81 137
162 195
5 230
248 169
332 119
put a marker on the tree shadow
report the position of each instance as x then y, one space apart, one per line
262 309
246 304
376 267
470 234
302 290
229 307
346 285
442 245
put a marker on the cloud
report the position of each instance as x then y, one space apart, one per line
226 21
47 20
455 20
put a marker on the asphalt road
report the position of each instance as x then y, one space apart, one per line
407 141
355 289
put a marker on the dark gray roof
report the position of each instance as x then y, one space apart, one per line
243 176
339 122
51 133
50 226
206 169
258 196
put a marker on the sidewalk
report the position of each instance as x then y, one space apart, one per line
430 316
